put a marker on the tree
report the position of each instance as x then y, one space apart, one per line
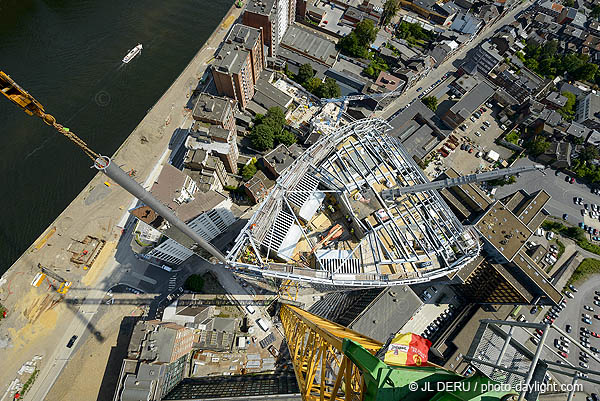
285 137
567 111
431 102
312 85
366 32
275 118
329 89
538 146
358 42
588 153
249 170
194 283
305 73
390 8
262 137
595 13
350 46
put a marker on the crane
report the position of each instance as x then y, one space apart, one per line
390 194
64 284
344 100
13 92
332 362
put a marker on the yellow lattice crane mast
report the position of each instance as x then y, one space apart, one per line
332 362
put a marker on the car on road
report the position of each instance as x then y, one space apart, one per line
565 216
477 133
71 341
572 181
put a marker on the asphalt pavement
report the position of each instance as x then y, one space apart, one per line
561 192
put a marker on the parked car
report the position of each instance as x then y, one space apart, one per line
477 133
569 294
565 216
588 308
568 328
572 288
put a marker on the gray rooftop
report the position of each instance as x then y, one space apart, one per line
472 100
269 96
244 36
387 313
308 43
262 7
211 108
231 58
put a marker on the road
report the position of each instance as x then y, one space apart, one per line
447 66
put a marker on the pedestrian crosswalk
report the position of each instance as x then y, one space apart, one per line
172 282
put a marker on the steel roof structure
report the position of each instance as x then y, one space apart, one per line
338 182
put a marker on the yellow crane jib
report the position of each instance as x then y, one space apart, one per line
20 96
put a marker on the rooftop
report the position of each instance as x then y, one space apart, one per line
312 45
262 7
326 222
212 108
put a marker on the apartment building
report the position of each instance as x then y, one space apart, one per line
273 17
239 63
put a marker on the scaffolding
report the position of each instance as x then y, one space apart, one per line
340 181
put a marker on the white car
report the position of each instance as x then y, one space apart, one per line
478 133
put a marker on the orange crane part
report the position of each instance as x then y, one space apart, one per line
335 232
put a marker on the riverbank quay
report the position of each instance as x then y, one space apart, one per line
80 245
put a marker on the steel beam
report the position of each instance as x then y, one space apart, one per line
105 164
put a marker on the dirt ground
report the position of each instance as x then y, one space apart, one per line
92 372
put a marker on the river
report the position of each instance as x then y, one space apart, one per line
67 54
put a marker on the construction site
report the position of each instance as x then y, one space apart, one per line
326 221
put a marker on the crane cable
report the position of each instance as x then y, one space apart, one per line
22 98
51 121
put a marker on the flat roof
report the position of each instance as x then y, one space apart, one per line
262 7
310 44
231 58
269 96
503 230
473 99
244 35
387 313
212 108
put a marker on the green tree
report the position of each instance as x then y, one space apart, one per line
390 8
312 85
595 12
588 153
358 42
568 110
194 283
538 146
285 137
366 32
329 89
275 118
262 137
431 102
305 73
248 171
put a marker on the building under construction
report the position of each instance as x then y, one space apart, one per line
326 222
